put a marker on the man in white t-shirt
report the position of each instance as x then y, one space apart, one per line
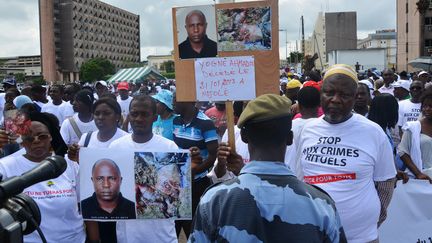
142 114
124 99
70 91
349 157
55 105
409 109
388 78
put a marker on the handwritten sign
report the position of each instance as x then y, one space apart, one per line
227 78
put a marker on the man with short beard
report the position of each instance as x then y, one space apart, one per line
349 157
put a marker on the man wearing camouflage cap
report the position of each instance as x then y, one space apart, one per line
266 202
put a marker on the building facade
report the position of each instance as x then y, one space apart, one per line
156 61
381 39
332 31
74 31
414 33
30 66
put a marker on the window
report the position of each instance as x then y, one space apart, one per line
428 42
406 47
406 7
406 26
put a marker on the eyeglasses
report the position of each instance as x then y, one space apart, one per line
31 139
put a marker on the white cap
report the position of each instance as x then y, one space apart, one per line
402 84
422 72
101 82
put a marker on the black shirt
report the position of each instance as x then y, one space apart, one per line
209 49
91 210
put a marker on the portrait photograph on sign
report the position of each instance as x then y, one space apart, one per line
241 29
106 185
196 32
163 185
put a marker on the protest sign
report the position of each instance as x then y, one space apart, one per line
143 184
228 78
257 38
409 215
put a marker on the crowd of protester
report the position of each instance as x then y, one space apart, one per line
338 136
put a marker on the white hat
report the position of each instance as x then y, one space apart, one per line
101 82
421 73
368 83
402 84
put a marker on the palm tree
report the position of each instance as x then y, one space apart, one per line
422 7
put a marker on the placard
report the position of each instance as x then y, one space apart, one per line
238 34
227 78
123 185
409 215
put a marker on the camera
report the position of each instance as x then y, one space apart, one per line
19 215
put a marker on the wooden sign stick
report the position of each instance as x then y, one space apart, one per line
229 111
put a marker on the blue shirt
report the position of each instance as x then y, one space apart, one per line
199 132
165 127
266 203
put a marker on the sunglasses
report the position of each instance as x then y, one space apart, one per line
31 139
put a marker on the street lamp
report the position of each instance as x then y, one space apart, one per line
286 43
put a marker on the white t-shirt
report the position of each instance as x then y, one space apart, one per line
344 160
40 104
147 230
68 133
56 110
386 90
408 111
124 104
56 199
2 104
67 110
292 162
95 143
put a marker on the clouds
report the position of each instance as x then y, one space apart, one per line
19 21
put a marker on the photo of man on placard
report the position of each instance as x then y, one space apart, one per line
197 43
107 201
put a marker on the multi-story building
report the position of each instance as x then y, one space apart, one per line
414 33
332 31
30 66
381 39
74 31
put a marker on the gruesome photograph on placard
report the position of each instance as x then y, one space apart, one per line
242 29
163 185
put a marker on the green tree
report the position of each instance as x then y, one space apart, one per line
96 69
39 80
20 77
295 57
168 66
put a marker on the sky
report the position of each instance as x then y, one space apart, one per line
19 21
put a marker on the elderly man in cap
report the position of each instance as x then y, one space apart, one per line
349 157
266 202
